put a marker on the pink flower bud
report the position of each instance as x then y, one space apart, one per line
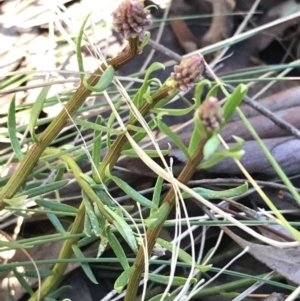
131 18
158 250
211 114
188 72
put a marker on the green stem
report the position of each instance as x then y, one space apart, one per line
114 152
110 159
152 234
66 252
77 227
229 287
59 122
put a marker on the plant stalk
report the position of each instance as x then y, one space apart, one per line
59 122
77 227
110 159
115 150
152 234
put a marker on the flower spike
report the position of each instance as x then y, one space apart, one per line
188 72
211 114
131 18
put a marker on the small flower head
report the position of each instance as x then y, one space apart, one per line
131 18
158 250
188 72
211 114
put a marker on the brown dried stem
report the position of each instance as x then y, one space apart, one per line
152 234
59 122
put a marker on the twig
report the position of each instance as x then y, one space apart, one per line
266 112
225 181
236 214
168 52
252 103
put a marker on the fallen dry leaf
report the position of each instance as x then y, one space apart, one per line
279 232
284 261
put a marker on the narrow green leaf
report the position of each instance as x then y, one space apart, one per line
102 221
18 212
12 245
87 228
50 299
44 189
211 146
233 101
219 156
102 245
145 41
103 196
199 90
148 95
167 99
140 135
168 297
91 214
213 92
98 127
23 282
150 152
173 112
150 6
158 216
122 280
107 76
235 152
56 223
138 99
136 128
157 193
230 153
176 280
123 229
60 173
87 178
85 266
111 120
57 206
215 194
172 135
12 129
240 141
56 294
135 195
184 256
78 47
36 111
86 241
9 293
104 81
97 148
16 201
43 273
198 133
211 162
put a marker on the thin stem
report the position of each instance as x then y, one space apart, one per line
114 152
77 227
110 159
266 112
59 122
66 252
152 234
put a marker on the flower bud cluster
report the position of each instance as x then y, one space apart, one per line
211 114
131 18
188 72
